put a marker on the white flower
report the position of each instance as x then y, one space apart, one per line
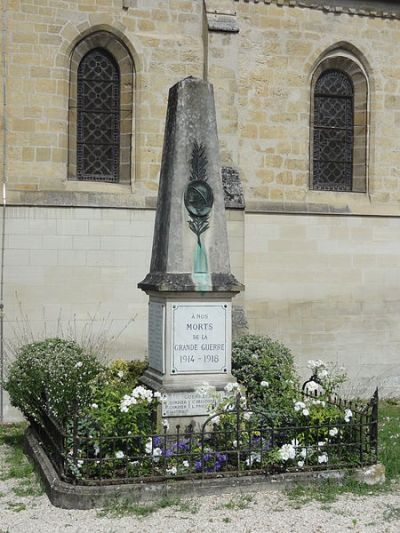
315 364
287 451
120 374
348 415
186 464
157 452
333 432
96 450
312 387
306 412
78 364
247 415
323 373
165 423
254 356
231 387
173 470
216 420
134 463
264 384
234 443
300 464
94 406
299 405
303 453
254 457
321 443
119 454
79 463
323 458
149 445
229 407
157 394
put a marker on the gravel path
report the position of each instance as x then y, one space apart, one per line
269 511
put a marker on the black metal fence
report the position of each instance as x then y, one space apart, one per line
231 442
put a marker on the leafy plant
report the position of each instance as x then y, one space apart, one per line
266 368
114 427
51 375
389 437
124 372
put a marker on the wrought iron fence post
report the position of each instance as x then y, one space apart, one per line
75 446
202 450
238 446
374 424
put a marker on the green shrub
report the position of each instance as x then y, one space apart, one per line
125 372
53 374
266 368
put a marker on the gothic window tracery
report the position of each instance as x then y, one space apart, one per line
98 117
333 135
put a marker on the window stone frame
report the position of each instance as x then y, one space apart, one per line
111 43
349 64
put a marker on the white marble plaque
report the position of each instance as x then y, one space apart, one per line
156 335
187 404
200 338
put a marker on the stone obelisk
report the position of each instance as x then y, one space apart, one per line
190 284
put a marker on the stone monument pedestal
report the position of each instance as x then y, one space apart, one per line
190 337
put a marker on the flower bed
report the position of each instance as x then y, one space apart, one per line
233 441
98 425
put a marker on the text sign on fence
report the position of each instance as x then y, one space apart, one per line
200 338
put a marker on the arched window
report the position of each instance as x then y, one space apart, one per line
333 132
101 110
98 142
339 110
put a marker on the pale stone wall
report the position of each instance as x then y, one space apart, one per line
79 264
328 287
74 271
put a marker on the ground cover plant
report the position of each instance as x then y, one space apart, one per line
389 437
388 455
15 464
106 419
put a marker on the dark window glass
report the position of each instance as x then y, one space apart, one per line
98 117
333 132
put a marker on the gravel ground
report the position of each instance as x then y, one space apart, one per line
269 511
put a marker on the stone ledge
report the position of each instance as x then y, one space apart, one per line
176 282
337 7
68 496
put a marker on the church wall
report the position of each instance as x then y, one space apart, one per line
328 287
321 268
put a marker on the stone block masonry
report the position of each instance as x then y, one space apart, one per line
69 268
321 268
